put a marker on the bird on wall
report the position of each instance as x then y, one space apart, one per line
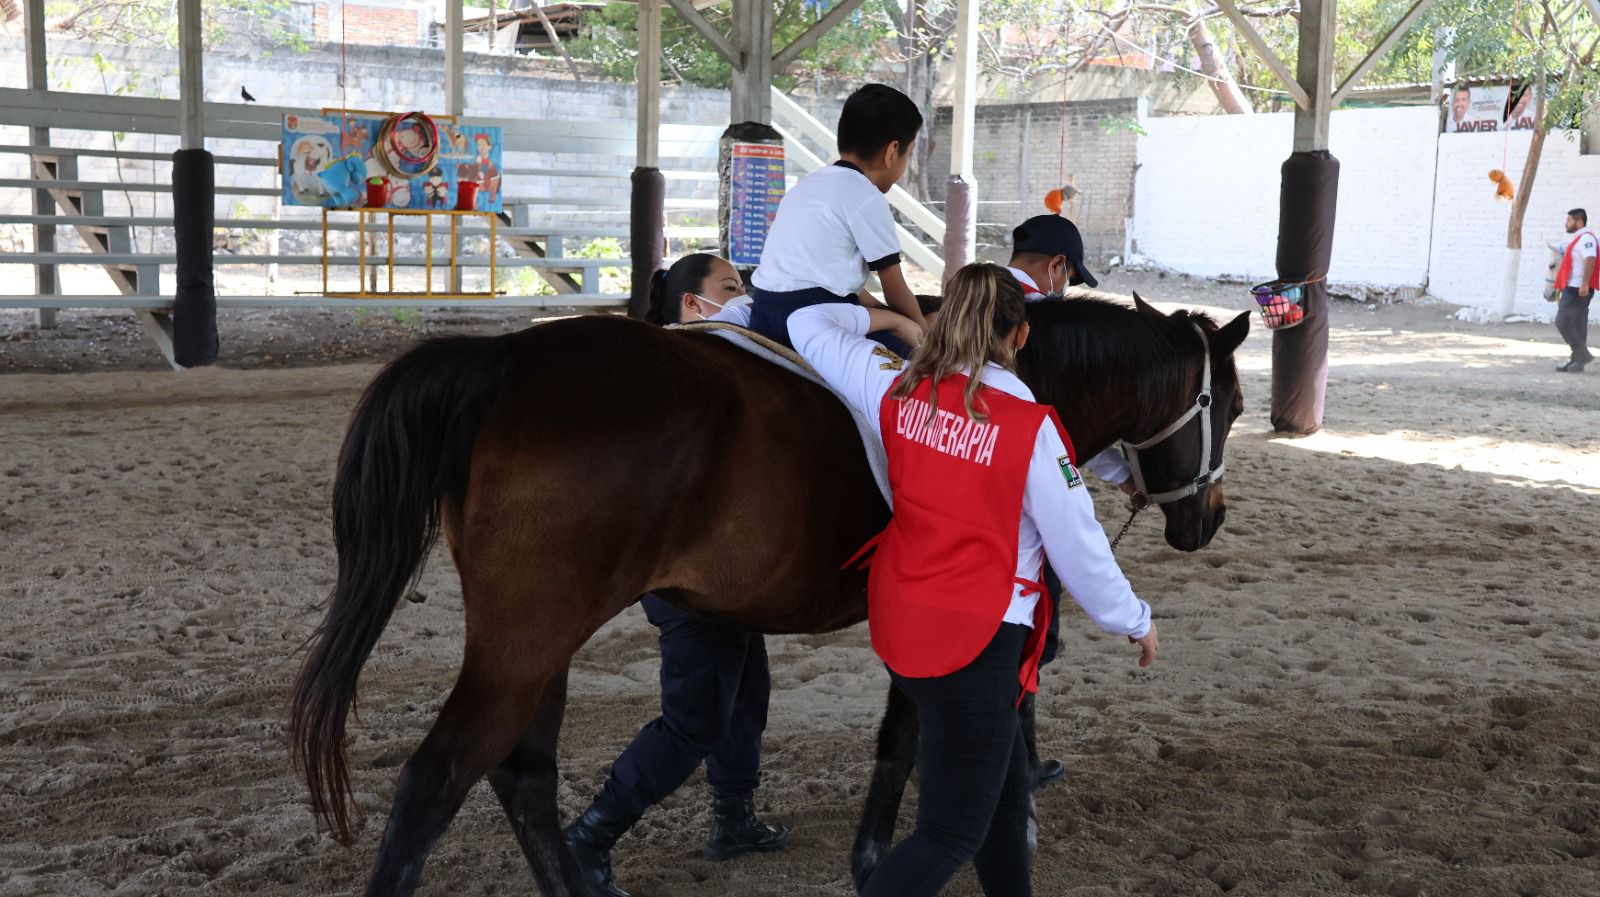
245 95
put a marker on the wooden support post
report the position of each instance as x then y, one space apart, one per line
960 245
44 235
751 88
647 74
455 103
191 76
1314 74
647 220
455 87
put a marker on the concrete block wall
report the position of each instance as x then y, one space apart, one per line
1469 258
1206 198
1021 154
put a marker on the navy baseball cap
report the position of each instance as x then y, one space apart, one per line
1053 235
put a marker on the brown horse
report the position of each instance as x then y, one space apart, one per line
575 465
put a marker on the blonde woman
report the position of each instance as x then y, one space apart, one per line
985 488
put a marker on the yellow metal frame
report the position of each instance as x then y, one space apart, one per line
455 216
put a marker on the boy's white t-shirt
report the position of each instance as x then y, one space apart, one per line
1586 249
830 231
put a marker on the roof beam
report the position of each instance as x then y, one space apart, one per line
1253 37
686 11
1384 46
804 42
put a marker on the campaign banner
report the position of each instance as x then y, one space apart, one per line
1476 109
756 186
467 153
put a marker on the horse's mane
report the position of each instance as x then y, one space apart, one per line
1085 338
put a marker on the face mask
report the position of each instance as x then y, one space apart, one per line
735 302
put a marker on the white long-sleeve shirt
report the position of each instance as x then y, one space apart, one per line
1058 519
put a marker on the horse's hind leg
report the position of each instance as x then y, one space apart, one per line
489 709
526 785
897 755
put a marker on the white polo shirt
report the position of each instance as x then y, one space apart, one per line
1586 249
831 229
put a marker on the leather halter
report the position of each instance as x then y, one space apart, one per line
1201 409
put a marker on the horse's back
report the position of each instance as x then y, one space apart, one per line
680 463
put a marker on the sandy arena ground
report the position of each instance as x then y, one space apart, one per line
1380 679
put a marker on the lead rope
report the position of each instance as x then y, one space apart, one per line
1140 502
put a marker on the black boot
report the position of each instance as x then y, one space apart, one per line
590 839
735 830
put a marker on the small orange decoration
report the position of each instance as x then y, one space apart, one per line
1504 189
1052 201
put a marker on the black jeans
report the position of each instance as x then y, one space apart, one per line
1572 322
975 800
714 690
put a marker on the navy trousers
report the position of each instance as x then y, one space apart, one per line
769 316
714 690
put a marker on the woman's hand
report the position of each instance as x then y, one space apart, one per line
1148 645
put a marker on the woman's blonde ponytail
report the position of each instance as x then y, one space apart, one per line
983 306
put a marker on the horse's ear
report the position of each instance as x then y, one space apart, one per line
1145 307
1232 336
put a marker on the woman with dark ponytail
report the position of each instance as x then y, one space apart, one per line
985 487
696 287
714 679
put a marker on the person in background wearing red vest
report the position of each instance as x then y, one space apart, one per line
1579 277
1047 257
985 487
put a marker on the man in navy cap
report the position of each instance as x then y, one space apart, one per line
1047 256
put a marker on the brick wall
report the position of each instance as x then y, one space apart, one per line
1206 199
367 25
360 23
1018 157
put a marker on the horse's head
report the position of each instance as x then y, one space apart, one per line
1175 449
1163 386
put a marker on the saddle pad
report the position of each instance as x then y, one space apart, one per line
789 360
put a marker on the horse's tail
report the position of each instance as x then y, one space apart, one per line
408 447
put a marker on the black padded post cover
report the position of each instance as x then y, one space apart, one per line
194 306
1306 209
647 222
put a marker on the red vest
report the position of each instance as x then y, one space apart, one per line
945 568
1564 273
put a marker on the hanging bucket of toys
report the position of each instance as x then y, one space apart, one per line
407 145
1282 303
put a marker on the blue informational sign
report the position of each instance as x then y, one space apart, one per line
467 153
756 187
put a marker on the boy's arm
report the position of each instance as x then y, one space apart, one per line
898 296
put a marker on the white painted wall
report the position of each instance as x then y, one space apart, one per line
1416 207
1469 256
1206 194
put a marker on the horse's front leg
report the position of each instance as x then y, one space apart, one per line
897 755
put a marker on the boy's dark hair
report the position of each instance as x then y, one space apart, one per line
1579 214
875 116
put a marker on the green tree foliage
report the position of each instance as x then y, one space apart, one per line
846 53
154 23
